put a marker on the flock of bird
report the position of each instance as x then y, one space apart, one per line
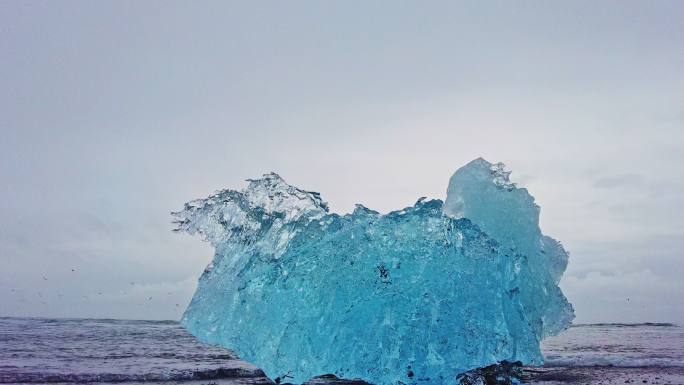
99 293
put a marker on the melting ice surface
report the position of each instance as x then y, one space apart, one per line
414 296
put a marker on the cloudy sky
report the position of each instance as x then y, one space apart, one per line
113 114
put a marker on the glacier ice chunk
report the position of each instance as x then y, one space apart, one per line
426 292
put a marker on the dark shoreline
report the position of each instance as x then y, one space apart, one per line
604 375
589 375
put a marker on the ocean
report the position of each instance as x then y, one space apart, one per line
104 351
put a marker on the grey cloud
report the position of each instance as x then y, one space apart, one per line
619 181
112 115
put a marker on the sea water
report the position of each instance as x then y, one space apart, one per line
125 352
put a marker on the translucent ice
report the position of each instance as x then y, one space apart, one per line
420 294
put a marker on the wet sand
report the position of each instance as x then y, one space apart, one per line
594 375
604 375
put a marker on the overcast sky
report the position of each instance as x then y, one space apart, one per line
113 114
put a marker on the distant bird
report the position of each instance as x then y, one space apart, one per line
73 269
149 299
44 279
99 293
176 305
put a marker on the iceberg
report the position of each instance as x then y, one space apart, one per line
417 295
